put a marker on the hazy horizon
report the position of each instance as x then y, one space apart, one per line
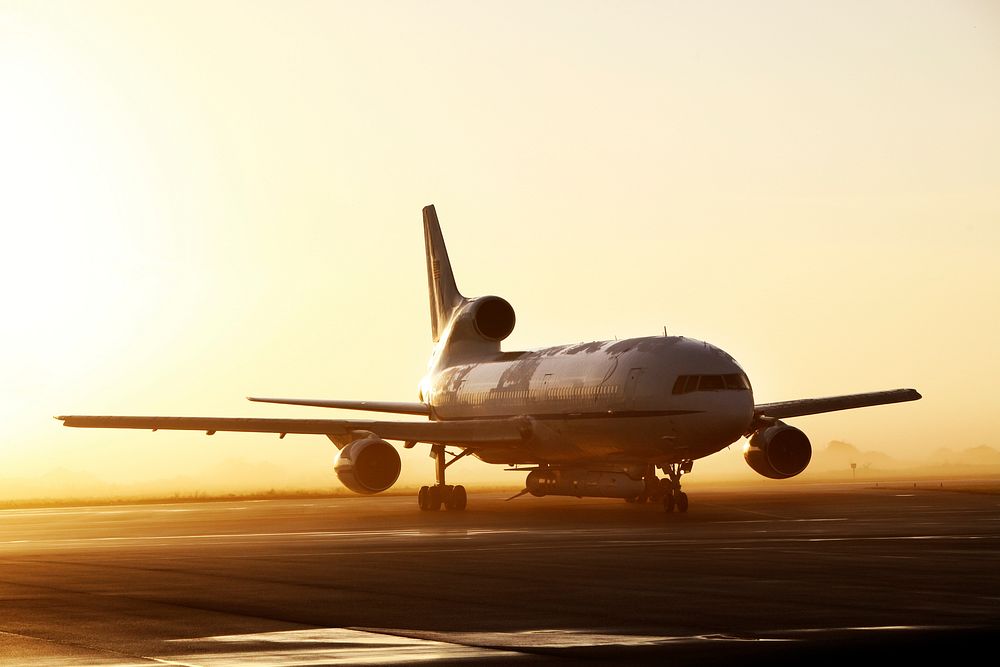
235 476
208 201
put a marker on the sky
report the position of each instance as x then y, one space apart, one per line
204 201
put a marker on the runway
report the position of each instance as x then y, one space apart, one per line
773 574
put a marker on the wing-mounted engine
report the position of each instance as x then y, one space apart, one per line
779 451
368 466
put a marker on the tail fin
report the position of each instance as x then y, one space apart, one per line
440 279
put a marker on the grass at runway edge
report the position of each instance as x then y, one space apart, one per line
985 484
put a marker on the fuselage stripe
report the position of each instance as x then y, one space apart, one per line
606 414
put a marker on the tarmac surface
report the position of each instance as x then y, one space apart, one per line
770 575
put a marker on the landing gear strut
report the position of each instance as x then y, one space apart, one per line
672 494
430 498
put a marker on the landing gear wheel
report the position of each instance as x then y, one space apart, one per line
434 498
457 499
671 486
682 501
452 497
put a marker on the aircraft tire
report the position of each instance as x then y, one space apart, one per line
682 501
422 498
458 499
434 498
668 502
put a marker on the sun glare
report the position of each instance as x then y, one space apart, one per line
71 177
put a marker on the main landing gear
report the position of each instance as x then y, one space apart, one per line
431 498
672 494
667 489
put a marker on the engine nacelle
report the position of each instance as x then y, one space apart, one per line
582 483
368 466
779 451
493 317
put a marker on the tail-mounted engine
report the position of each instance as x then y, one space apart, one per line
778 451
492 317
474 331
368 466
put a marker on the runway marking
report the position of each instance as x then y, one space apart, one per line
357 646
327 646
779 520
868 628
62 653
565 638
624 538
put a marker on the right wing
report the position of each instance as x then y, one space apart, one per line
812 406
472 433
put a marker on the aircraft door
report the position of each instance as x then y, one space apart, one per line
630 386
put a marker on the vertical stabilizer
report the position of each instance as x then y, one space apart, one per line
440 279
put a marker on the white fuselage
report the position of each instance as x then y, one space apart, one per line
603 402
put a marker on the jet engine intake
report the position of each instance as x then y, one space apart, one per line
368 466
583 483
779 451
493 317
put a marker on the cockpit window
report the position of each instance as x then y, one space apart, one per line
711 383
735 381
685 384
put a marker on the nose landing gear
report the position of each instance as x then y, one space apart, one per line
673 497
430 498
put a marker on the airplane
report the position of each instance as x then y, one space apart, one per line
591 419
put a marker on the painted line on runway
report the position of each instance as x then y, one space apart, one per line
342 646
357 645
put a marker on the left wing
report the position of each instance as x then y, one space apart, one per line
480 432
812 406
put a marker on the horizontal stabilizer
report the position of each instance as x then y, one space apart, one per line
401 408
813 406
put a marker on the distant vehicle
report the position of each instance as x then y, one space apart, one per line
587 420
